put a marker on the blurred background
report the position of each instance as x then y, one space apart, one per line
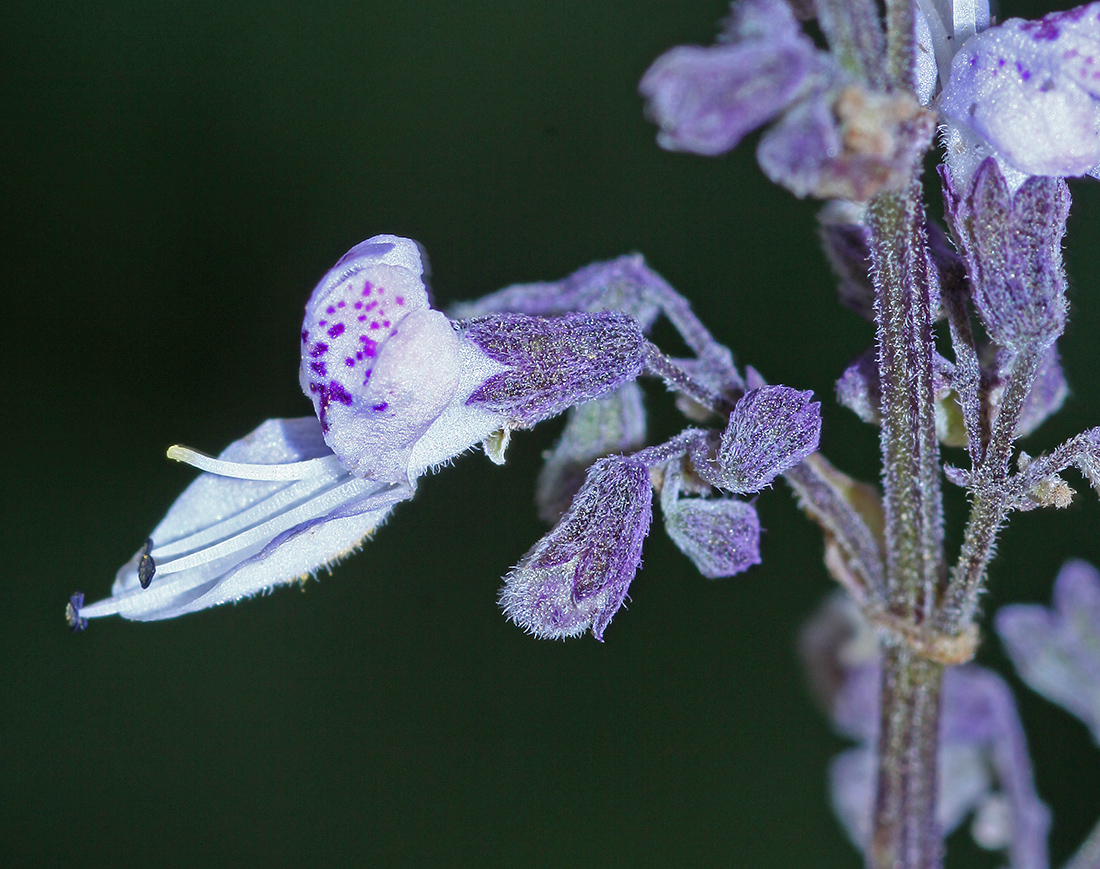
176 177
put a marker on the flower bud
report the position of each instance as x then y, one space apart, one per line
770 429
553 363
577 576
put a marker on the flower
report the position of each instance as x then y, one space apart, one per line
1031 90
983 763
1056 649
835 135
398 389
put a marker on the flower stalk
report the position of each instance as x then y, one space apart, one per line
905 832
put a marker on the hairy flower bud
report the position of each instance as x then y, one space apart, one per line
1013 248
770 429
720 535
577 576
554 363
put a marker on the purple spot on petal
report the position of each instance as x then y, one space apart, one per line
319 349
317 368
400 300
349 362
340 304
338 393
330 310
374 325
381 406
305 335
336 330
322 322
386 324
358 305
362 317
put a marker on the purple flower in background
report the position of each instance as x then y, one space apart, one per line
707 99
577 576
835 137
1056 649
984 766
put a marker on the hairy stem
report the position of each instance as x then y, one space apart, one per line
991 502
905 832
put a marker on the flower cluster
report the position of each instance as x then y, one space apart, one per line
399 388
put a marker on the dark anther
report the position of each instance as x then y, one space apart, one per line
77 623
147 568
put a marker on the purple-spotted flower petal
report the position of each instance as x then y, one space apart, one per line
770 430
576 577
1056 649
707 99
388 376
1031 90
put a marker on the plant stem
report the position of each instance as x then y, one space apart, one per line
905 833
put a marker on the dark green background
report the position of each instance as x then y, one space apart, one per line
176 176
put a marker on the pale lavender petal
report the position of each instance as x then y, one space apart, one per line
615 424
553 363
1057 650
576 577
227 538
770 429
1032 90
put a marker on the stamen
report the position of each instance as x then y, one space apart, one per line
267 531
275 503
247 471
76 621
146 566
188 579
